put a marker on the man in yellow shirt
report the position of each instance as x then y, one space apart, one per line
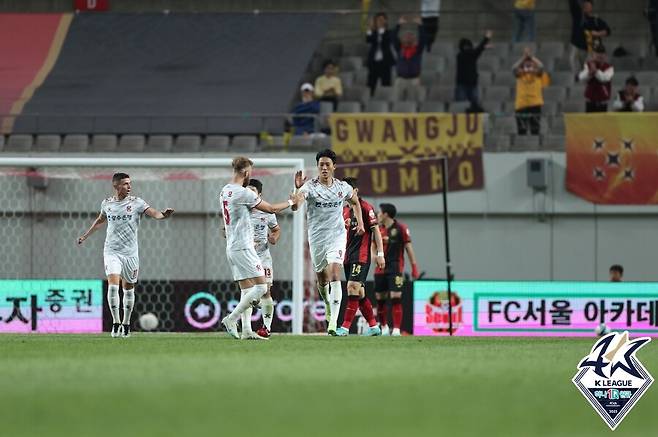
329 87
524 17
529 73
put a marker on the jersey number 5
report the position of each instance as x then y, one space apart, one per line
227 217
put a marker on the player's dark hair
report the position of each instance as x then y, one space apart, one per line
617 268
381 14
327 63
389 208
258 185
326 153
116 177
240 163
353 182
632 81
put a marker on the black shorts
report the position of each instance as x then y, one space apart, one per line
356 272
389 282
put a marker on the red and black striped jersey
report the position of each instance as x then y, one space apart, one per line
394 238
358 246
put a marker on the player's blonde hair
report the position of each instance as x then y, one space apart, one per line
240 163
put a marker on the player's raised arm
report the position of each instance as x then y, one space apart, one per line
356 207
278 207
100 220
158 215
300 180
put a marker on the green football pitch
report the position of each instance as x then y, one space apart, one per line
207 384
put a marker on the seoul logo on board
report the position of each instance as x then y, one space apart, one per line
612 378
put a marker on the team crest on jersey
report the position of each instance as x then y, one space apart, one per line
129 208
340 194
394 232
611 377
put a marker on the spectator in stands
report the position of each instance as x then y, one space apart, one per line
409 48
328 87
380 54
587 31
652 15
467 71
629 99
529 73
524 15
430 10
598 74
308 106
616 273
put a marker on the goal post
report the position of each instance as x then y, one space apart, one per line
183 168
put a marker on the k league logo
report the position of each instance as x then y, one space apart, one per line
611 377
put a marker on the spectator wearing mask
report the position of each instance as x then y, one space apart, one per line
380 54
529 93
524 20
629 99
308 106
429 11
597 73
409 46
328 87
467 71
587 31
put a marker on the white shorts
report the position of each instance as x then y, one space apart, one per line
266 263
324 253
245 264
125 266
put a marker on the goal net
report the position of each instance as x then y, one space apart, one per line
50 284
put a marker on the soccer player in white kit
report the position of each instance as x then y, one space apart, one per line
237 201
266 232
122 212
327 236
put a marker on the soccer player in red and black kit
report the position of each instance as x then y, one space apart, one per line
357 264
397 240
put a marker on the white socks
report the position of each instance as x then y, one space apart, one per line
246 320
267 307
323 290
248 296
336 296
128 304
113 302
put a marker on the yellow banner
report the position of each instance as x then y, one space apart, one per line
612 157
399 154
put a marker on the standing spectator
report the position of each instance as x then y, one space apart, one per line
529 96
598 74
380 54
409 48
629 99
305 125
524 14
467 71
616 273
430 10
328 87
652 15
587 31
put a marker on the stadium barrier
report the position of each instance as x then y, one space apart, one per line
540 308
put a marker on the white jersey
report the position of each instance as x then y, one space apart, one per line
325 210
122 224
262 223
236 204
